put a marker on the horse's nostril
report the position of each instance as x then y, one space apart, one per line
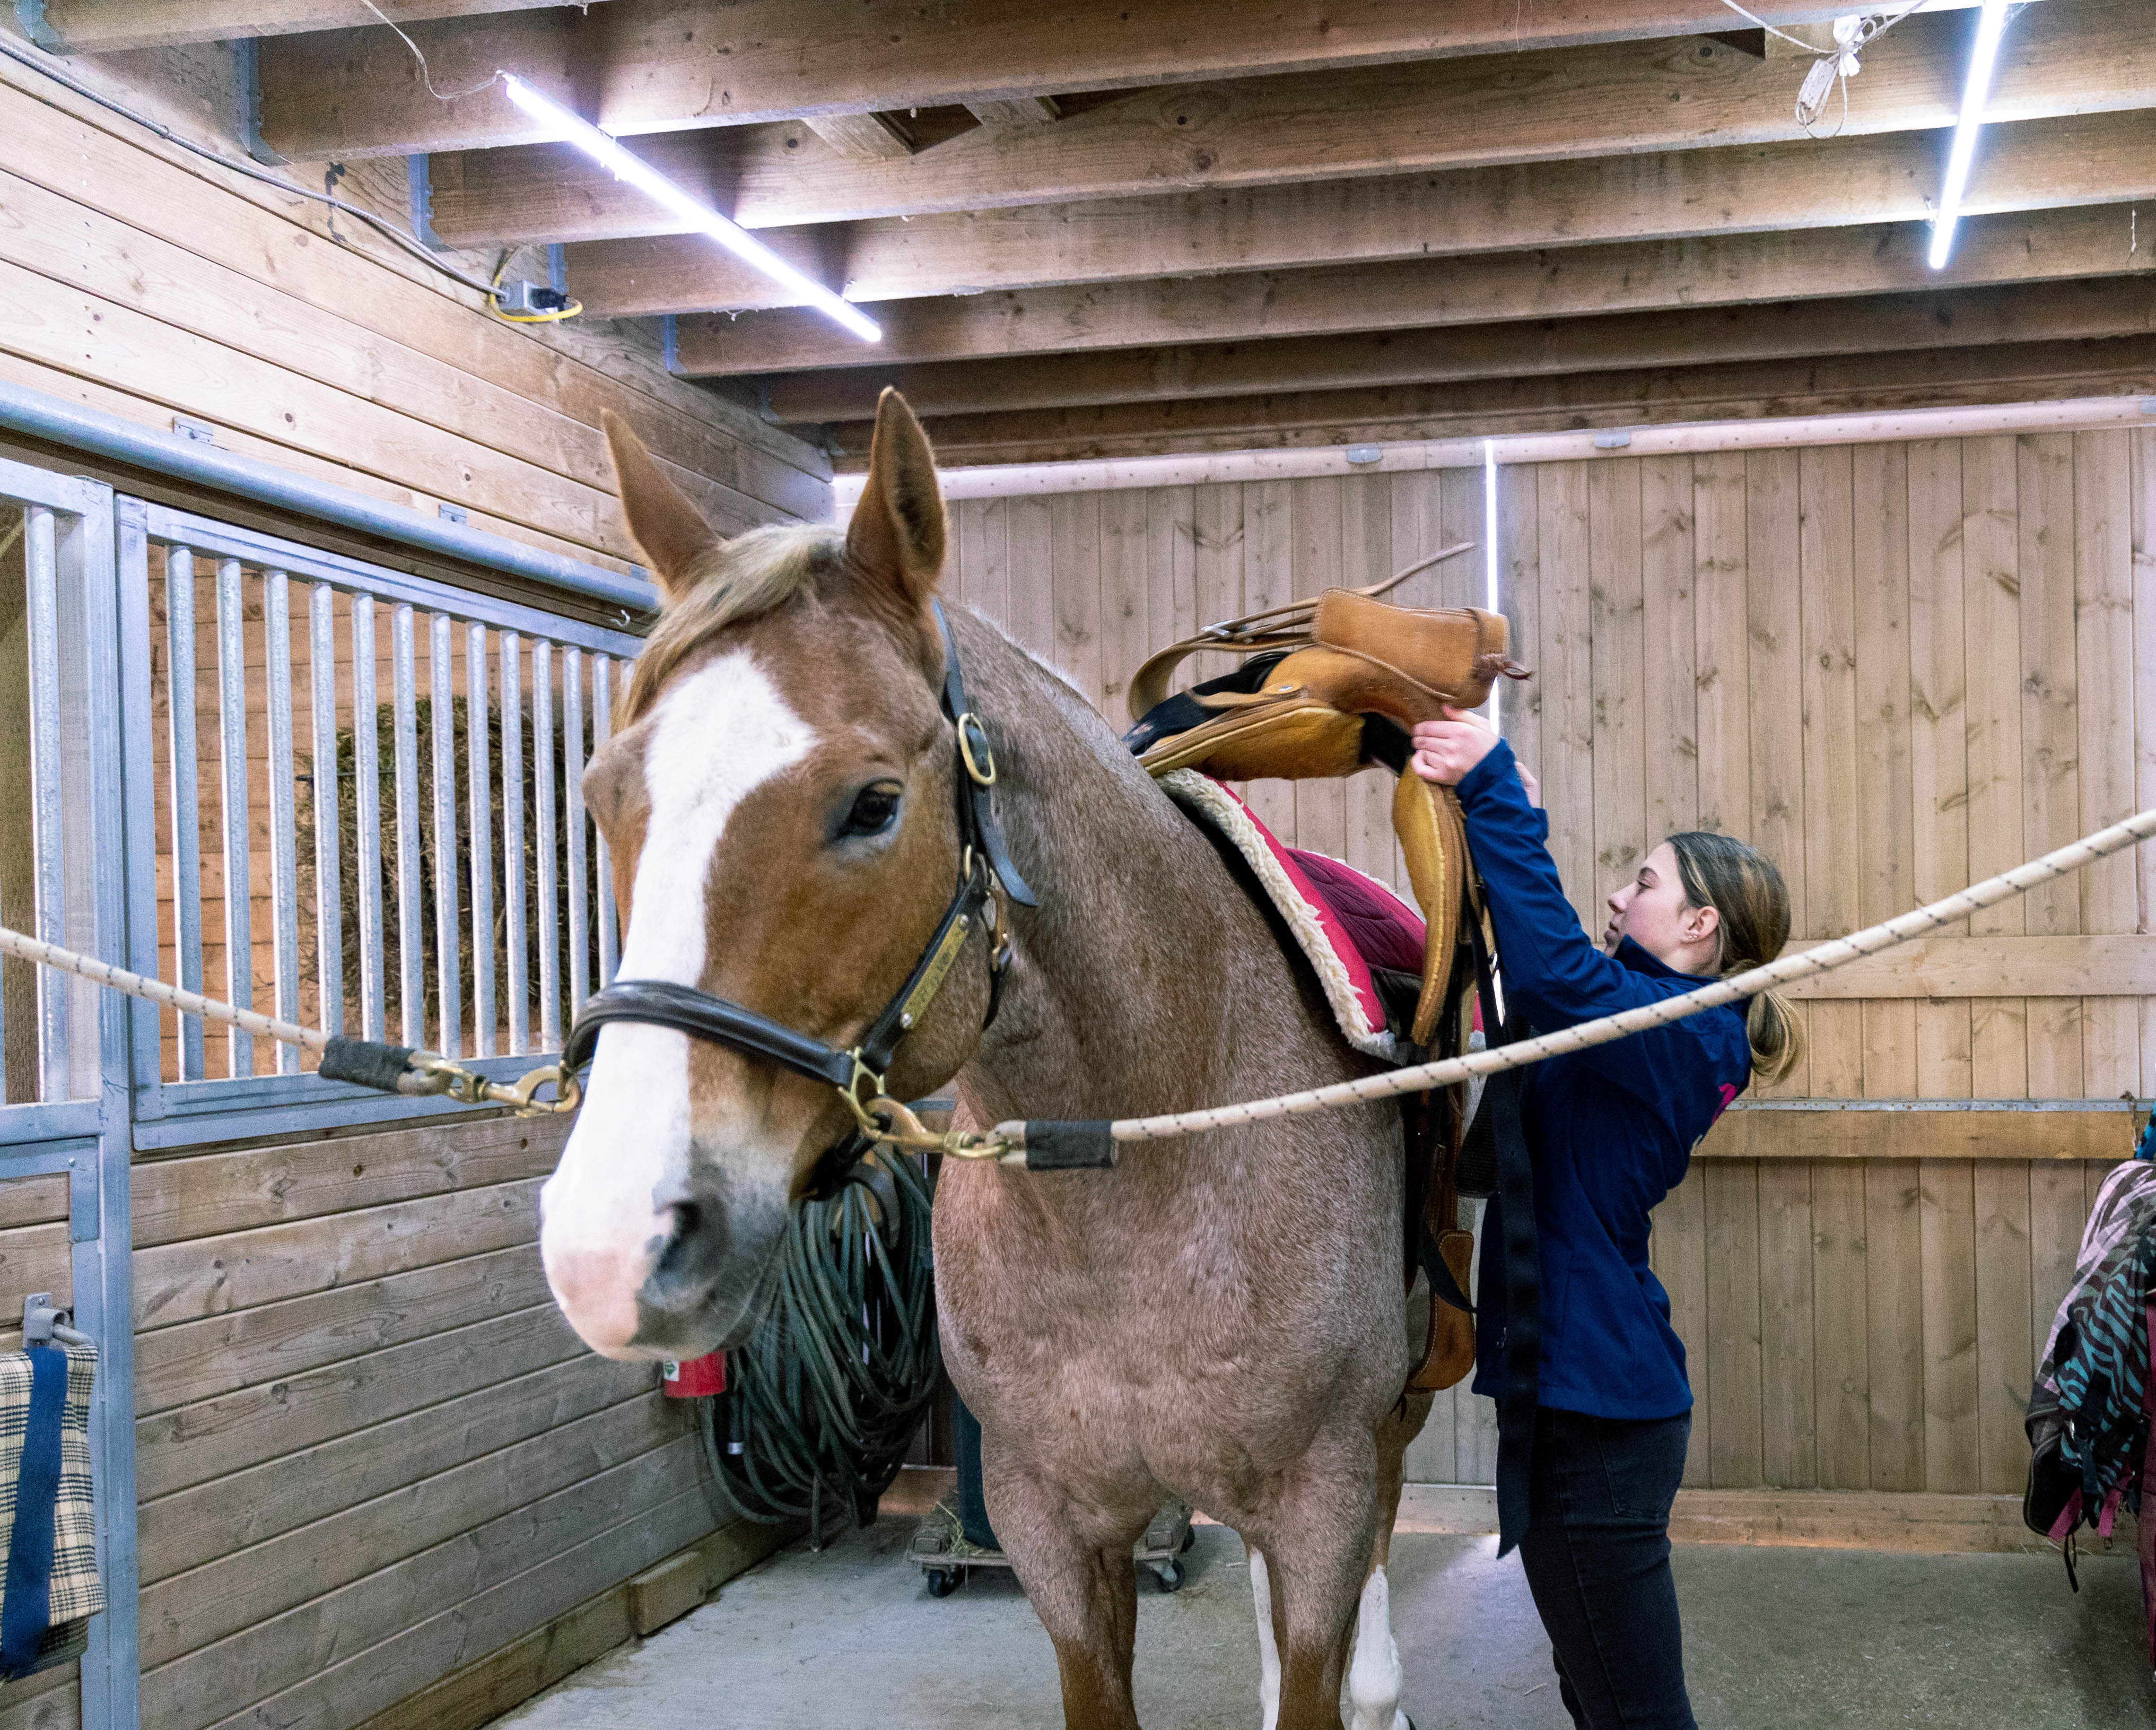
688 1219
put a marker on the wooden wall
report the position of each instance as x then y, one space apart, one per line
1897 669
371 1452
142 281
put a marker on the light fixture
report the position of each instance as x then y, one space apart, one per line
1990 23
1490 557
604 150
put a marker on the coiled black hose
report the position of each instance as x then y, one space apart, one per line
830 1389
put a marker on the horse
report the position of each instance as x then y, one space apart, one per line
1223 1316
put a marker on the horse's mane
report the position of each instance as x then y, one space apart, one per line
747 576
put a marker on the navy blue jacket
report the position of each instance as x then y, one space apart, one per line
1611 1129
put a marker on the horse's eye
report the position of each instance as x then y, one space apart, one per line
874 809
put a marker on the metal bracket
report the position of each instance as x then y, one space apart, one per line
670 351
420 185
83 1199
30 15
198 432
247 76
558 269
41 1324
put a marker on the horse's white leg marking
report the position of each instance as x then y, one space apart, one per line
1269 1671
716 737
1373 1674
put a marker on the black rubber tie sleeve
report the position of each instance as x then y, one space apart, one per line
367 1062
1069 1146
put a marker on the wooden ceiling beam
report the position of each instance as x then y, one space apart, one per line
2121 366
2109 306
641 66
2104 159
1412 293
104 27
2066 57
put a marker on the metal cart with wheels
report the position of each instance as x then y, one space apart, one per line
940 1546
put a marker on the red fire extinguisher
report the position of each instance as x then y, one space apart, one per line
695 1378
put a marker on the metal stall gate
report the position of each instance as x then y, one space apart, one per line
317 786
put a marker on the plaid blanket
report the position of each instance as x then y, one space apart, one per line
77 1592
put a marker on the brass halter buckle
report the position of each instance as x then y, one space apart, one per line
974 750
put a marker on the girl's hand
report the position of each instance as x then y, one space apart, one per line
1446 751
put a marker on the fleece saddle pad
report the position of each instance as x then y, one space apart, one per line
1349 925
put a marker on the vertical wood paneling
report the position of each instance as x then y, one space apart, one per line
2103 622
1938 752
1566 676
2050 747
1617 656
1725 685
1669 673
1731 1194
1869 660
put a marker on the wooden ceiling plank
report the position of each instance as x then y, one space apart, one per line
1409 294
659 65
862 137
2109 306
2104 159
2066 57
104 27
1736 391
1018 113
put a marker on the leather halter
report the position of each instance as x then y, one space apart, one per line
857 1072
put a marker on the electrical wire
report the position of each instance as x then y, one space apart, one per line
823 1401
426 75
1836 66
569 309
252 171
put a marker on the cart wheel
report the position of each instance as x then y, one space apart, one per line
1170 1576
1189 1537
942 1582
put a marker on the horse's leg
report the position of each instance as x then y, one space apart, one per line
1269 1639
1316 1539
1075 1566
1369 1657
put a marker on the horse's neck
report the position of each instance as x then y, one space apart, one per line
1143 946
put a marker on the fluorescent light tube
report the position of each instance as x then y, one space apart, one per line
1989 25
604 150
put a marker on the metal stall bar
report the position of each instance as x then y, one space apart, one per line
512 842
48 881
478 734
231 763
572 799
366 819
602 869
411 974
550 928
329 897
284 826
441 692
187 811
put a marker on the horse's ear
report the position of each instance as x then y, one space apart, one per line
670 529
896 537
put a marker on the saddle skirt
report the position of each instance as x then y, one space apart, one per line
1349 927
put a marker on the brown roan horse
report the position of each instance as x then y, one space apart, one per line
1221 1316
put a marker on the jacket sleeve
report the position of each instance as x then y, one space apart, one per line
1552 971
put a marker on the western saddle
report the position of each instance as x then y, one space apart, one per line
1327 688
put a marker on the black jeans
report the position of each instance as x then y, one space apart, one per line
1597 1553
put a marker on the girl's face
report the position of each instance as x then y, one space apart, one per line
1651 909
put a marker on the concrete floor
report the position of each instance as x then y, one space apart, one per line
1794 1638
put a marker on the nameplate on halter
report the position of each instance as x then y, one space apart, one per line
939 965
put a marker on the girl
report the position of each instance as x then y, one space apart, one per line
1610 1131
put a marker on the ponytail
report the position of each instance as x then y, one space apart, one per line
1743 886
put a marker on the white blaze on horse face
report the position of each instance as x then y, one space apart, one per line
717 735
1269 1664
1374 1674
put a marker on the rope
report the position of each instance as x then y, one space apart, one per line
1852 35
826 1397
1825 958
156 991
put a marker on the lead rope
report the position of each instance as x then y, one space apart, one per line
1049 1146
